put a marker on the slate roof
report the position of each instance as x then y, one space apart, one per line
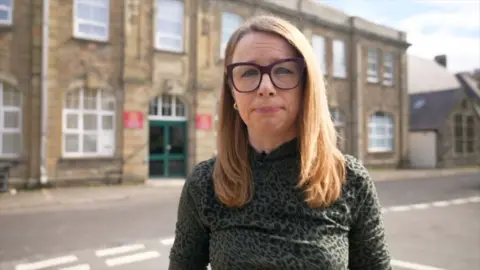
428 110
434 90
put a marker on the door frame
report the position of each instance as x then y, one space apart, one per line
166 157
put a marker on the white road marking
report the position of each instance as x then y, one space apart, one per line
167 241
400 208
413 266
47 263
474 199
460 201
422 206
118 250
441 203
77 267
132 258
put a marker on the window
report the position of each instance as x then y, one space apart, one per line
339 63
372 72
470 134
318 44
91 19
89 123
230 23
169 21
167 107
10 121
464 134
388 68
339 122
458 133
419 103
380 133
6 11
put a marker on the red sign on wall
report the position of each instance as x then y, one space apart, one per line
204 121
133 120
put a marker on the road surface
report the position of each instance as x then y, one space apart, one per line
432 224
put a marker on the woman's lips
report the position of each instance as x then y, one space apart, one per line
267 109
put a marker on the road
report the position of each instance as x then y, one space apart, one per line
432 224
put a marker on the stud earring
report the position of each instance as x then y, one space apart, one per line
235 106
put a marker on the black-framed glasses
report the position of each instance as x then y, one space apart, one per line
285 74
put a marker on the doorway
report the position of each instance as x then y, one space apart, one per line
168 138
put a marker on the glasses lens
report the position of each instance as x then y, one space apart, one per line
245 77
285 75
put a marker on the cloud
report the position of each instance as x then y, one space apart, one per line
448 27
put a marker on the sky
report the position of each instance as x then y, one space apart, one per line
433 27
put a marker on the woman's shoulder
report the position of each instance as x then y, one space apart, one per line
356 173
201 174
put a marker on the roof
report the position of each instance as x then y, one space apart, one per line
429 110
426 75
469 83
472 89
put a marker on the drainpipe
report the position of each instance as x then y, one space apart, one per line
43 140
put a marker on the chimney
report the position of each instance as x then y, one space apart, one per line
441 60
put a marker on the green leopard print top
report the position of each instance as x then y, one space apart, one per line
276 229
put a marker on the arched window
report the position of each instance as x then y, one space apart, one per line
89 123
380 132
167 107
10 121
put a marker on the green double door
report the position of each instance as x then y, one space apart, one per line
168 149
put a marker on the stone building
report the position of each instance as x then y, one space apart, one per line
127 89
444 115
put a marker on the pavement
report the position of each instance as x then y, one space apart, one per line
431 224
81 195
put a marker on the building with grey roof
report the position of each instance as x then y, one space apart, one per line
444 115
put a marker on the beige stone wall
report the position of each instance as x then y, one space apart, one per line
131 67
73 64
20 69
388 99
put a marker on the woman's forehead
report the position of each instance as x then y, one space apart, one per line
262 48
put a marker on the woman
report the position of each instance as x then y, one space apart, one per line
279 194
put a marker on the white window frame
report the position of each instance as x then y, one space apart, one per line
76 21
388 62
372 65
163 13
227 30
9 9
318 44
102 96
381 120
3 130
339 59
175 101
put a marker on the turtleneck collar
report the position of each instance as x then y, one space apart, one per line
287 149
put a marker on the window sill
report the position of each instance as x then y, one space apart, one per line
340 78
5 27
87 40
172 52
380 151
86 158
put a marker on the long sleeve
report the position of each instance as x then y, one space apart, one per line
367 244
190 248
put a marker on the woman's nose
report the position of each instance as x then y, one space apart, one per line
266 86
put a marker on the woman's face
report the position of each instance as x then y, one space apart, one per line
272 108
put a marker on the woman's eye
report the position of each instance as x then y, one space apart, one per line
283 71
250 72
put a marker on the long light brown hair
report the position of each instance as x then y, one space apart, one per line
322 168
